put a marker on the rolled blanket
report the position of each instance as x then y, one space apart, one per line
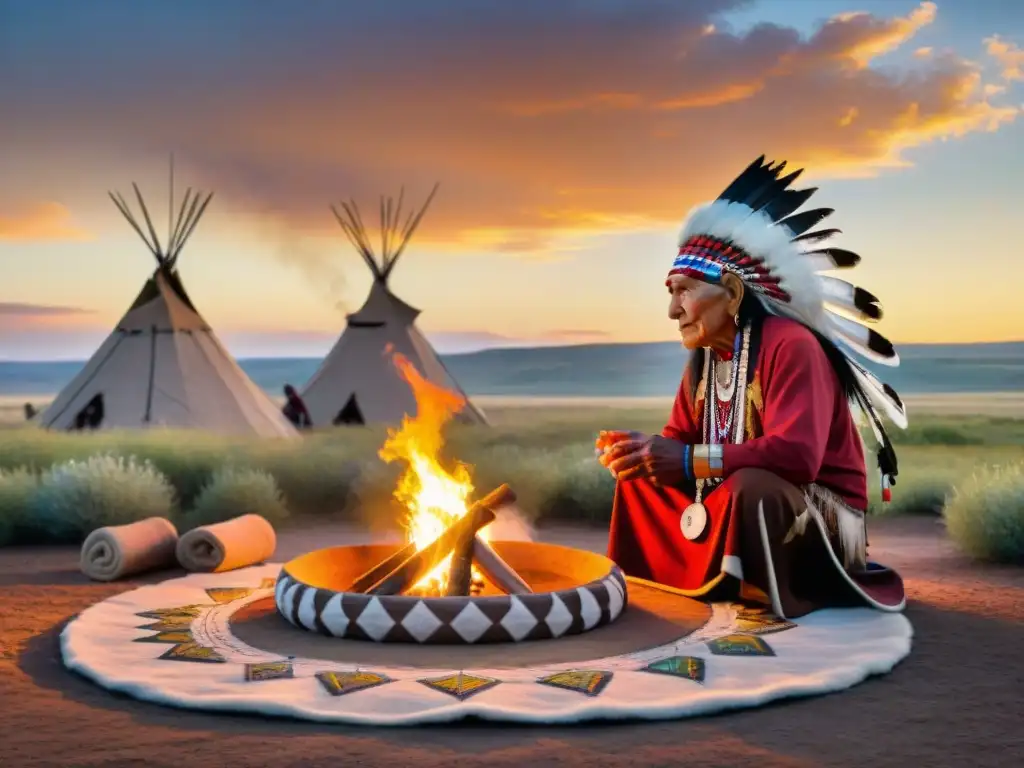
236 543
117 551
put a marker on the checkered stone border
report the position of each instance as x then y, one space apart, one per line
452 620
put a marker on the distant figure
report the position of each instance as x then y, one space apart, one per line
91 416
30 411
294 409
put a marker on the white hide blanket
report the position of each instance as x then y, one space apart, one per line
140 642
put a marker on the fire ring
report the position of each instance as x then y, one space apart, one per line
574 591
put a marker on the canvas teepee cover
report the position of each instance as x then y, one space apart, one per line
163 365
358 383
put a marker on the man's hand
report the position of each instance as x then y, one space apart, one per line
611 444
658 458
607 438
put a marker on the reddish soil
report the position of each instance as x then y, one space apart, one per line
956 701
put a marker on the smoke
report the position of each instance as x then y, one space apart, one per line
319 263
510 524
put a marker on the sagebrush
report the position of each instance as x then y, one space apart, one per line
77 496
985 514
234 491
545 454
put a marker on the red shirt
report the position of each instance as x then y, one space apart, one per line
807 430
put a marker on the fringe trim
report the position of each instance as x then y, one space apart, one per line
845 525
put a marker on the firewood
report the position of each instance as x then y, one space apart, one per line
497 571
420 563
383 568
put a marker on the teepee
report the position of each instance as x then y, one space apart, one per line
163 365
358 382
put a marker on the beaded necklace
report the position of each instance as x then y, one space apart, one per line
716 430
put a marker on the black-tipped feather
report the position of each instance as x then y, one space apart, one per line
751 178
867 303
893 395
841 258
787 202
817 237
801 222
762 189
772 195
879 344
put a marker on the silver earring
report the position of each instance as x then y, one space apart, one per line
736 319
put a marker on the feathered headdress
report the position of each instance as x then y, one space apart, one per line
753 231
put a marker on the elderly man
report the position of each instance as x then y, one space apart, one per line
758 485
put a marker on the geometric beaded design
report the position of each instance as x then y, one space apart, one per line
589 682
740 645
690 667
460 685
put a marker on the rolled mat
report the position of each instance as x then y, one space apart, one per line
117 551
236 543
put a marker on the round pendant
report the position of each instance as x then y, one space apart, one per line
694 521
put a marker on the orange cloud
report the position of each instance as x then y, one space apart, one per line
23 316
861 38
1009 55
616 117
40 223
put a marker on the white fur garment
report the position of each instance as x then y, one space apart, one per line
118 551
235 543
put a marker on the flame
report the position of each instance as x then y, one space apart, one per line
433 497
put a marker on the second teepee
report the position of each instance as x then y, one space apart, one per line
358 383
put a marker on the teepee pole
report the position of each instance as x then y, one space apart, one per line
179 221
122 206
192 224
149 222
170 208
356 238
410 229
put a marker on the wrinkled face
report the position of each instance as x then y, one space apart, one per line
701 309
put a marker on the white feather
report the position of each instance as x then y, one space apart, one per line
840 293
856 336
836 291
873 388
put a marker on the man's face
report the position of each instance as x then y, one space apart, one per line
700 309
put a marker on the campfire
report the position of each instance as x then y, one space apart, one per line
448 553
449 583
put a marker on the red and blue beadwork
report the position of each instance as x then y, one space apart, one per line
707 258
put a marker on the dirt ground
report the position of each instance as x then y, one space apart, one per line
958 700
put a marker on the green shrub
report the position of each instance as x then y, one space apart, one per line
78 496
234 491
544 453
17 488
318 481
985 515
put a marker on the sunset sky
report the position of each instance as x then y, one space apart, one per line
570 138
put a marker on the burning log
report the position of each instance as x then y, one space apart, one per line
497 571
382 569
419 564
460 571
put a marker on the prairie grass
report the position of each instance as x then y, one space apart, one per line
544 453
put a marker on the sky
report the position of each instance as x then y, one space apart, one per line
570 138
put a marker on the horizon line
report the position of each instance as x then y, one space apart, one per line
513 348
